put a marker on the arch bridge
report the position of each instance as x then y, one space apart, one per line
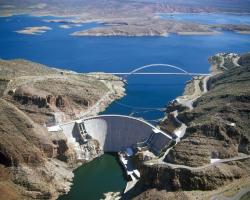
180 71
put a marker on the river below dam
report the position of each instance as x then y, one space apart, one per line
145 95
105 170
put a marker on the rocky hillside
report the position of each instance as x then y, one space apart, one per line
33 162
51 95
219 121
217 129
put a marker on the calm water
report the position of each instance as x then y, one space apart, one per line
116 54
212 18
104 170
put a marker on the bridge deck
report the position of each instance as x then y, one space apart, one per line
159 73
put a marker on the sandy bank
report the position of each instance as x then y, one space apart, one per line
199 33
36 30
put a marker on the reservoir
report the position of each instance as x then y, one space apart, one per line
146 95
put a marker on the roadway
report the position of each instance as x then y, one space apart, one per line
176 166
136 71
158 73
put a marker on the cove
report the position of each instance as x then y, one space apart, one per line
56 48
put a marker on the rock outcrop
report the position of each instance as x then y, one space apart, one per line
209 178
49 95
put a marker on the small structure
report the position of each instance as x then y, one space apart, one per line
133 174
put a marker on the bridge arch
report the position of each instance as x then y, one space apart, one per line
157 65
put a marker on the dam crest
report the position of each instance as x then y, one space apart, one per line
115 133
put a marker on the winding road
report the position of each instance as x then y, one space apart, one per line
176 166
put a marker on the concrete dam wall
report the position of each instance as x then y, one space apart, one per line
117 132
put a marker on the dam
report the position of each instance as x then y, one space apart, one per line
116 133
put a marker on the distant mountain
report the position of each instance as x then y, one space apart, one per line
118 7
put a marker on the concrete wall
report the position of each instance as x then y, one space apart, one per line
115 133
158 142
68 129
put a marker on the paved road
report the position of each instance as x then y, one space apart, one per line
175 166
237 196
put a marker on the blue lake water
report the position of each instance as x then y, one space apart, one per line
57 48
209 18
